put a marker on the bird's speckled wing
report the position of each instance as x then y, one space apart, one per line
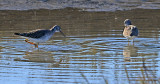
35 33
134 31
130 31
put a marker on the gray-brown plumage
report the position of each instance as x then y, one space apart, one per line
34 34
130 31
40 35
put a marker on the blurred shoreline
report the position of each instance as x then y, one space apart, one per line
84 5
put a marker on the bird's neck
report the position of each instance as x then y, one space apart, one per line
127 24
53 30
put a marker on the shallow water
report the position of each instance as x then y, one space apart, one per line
94 50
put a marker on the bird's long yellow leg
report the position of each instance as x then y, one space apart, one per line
128 42
36 45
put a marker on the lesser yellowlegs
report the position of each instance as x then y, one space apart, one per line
40 35
130 31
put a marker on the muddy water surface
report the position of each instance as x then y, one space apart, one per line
94 50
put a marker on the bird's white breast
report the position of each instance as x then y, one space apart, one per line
41 39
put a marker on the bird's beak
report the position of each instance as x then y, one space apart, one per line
62 33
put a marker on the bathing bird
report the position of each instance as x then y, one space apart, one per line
130 31
40 35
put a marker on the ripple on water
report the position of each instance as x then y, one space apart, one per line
87 55
77 58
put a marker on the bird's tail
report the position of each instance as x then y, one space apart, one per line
17 34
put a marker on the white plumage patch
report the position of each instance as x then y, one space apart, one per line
130 37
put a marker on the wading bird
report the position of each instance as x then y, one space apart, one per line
40 35
130 31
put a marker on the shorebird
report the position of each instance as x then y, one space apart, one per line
40 35
130 31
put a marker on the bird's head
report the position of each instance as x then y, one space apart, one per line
57 28
127 22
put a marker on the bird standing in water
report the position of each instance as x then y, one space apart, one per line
40 35
130 31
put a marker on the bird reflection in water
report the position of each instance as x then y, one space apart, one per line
130 51
45 57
